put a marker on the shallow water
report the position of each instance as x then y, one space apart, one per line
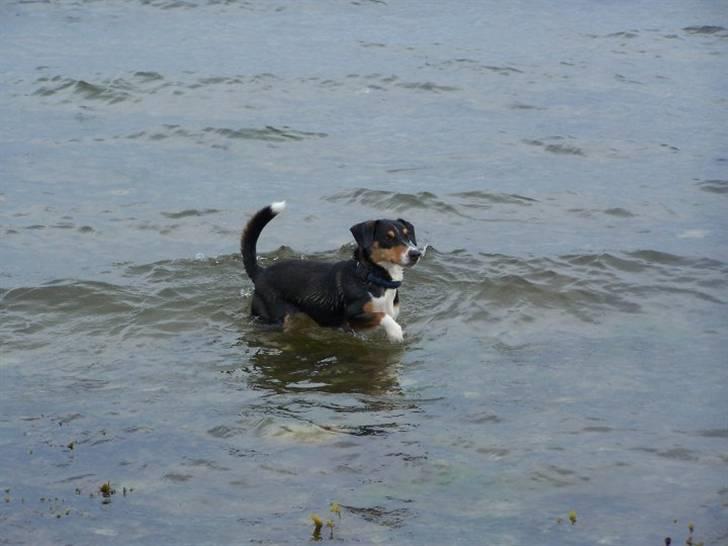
565 334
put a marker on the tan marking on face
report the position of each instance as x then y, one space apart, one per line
393 255
405 231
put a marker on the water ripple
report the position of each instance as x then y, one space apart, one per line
171 297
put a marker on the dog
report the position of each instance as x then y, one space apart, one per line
360 293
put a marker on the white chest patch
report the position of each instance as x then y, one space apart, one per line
385 303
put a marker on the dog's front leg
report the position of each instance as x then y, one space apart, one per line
364 316
393 329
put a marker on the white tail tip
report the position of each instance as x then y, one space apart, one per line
278 207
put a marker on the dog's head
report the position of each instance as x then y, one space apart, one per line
388 241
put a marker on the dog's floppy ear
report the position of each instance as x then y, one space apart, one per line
410 229
364 233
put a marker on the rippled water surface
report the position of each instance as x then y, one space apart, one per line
565 335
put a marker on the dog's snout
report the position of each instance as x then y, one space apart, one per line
414 254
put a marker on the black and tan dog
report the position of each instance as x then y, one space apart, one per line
358 293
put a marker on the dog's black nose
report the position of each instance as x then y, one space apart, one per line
414 254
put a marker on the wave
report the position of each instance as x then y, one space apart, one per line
461 204
173 296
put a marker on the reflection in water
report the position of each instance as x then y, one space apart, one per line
308 357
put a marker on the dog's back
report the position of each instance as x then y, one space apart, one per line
291 286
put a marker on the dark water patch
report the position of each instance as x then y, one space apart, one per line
714 186
428 86
177 477
189 212
562 149
524 106
372 44
268 133
670 147
483 418
69 418
624 34
110 91
478 198
60 85
148 76
657 257
83 386
157 228
665 258
676 453
559 149
672 290
713 433
494 452
322 416
606 262
704 29
204 463
222 137
476 66
624 79
502 70
76 478
104 93
380 515
394 201
596 428
405 170
223 431
179 4
619 212
556 476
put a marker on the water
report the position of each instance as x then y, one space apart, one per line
565 334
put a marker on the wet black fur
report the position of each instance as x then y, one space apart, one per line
332 294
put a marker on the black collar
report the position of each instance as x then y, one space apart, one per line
370 276
379 281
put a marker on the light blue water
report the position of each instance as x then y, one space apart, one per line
565 334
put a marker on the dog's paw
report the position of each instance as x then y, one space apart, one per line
393 329
396 337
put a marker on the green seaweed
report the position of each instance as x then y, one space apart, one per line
316 519
334 508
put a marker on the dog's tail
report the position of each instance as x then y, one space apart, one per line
251 233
